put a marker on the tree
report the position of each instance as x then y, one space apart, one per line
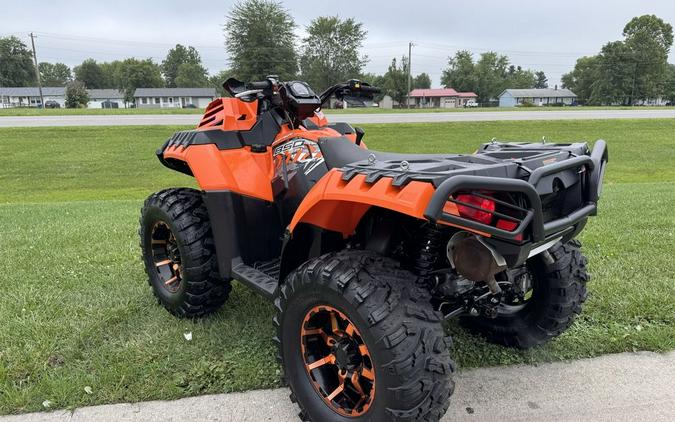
421 81
90 74
112 74
395 81
461 72
57 74
176 57
260 41
541 80
582 79
191 75
16 63
76 95
330 52
519 78
616 75
648 40
136 73
670 85
491 75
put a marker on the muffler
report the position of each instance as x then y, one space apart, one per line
475 260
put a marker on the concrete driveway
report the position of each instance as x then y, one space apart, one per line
476 116
612 388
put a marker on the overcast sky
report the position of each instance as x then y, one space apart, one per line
546 35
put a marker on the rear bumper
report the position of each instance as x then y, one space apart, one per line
594 165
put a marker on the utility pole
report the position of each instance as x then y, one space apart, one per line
410 46
37 71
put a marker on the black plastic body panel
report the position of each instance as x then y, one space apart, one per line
243 228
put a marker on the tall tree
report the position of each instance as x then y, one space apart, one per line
491 75
16 63
112 73
191 75
648 40
422 81
461 72
541 80
259 39
395 81
176 57
669 93
136 73
330 52
582 79
57 74
90 74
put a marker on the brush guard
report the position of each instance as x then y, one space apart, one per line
532 216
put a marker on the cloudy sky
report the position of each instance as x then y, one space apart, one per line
536 34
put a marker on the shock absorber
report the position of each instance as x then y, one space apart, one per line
428 246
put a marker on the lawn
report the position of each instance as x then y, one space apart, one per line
77 311
372 110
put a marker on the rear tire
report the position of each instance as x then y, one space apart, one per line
407 352
559 290
179 254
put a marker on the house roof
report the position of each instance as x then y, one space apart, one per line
437 92
175 92
105 94
32 91
539 93
440 92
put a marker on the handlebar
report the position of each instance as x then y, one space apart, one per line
259 85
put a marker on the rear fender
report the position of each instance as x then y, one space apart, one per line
338 205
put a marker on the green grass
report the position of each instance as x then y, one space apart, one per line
13 112
77 311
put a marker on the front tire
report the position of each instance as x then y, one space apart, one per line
559 290
357 320
179 255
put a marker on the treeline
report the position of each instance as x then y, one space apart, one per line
260 40
629 71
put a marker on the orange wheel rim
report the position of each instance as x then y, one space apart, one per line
337 361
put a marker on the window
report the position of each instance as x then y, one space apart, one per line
156 100
144 100
171 100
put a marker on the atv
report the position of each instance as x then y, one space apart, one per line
365 254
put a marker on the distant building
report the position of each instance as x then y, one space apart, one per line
440 98
30 96
174 97
537 97
106 98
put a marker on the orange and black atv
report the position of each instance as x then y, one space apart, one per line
365 254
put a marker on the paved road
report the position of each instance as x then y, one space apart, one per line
192 119
616 388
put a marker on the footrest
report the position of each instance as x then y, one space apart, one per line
256 279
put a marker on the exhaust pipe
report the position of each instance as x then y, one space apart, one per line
473 259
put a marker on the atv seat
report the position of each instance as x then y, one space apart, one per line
340 151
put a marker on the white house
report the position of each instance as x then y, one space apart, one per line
536 96
30 96
440 98
173 97
106 98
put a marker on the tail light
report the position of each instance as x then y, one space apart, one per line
475 208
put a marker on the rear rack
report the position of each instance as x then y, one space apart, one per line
594 166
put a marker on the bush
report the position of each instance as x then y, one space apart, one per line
526 104
76 95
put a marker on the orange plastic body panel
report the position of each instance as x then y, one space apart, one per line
238 170
337 205
229 114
